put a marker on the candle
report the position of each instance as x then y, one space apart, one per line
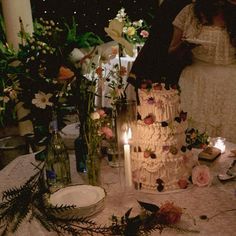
127 161
220 144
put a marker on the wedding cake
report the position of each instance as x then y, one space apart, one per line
160 157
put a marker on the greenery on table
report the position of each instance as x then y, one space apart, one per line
30 201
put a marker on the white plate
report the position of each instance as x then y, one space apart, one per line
88 199
198 41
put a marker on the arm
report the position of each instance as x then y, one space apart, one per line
176 40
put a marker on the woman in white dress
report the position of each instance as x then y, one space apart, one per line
208 85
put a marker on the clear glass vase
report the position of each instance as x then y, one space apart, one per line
93 164
126 115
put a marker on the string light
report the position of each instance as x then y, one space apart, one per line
100 11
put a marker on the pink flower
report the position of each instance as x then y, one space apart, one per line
148 120
201 176
101 112
144 33
171 214
107 131
183 183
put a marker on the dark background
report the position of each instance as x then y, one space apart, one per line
93 15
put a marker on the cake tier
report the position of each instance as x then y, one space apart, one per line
163 105
162 173
156 137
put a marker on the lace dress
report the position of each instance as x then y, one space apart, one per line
208 86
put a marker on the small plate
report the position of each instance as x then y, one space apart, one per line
88 199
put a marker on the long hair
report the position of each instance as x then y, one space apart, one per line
230 21
205 10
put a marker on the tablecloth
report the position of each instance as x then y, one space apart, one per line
218 199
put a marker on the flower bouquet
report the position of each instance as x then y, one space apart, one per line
43 72
136 32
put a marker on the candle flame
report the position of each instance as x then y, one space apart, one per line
126 138
129 134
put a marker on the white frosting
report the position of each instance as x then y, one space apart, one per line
154 135
165 103
167 161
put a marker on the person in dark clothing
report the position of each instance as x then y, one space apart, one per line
152 62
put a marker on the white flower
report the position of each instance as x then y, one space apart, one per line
76 55
95 115
41 100
5 99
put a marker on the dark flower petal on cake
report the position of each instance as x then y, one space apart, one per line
174 86
151 100
139 149
153 156
146 154
159 181
166 148
164 124
189 147
167 86
148 120
183 183
139 117
183 149
157 87
143 84
173 150
160 188
183 115
178 119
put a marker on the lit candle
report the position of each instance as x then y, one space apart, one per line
127 161
220 144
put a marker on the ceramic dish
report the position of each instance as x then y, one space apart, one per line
87 199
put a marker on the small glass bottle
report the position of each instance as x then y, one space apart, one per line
57 163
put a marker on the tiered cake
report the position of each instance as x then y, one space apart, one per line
161 160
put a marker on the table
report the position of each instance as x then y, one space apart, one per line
196 201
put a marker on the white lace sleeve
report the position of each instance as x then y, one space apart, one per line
181 18
186 21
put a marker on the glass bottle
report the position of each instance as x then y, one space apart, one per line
57 163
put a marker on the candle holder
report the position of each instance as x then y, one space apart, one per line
219 143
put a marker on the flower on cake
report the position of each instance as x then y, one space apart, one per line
201 176
148 120
183 183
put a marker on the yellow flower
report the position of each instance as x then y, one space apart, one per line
131 31
114 30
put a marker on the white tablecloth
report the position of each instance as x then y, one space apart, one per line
216 199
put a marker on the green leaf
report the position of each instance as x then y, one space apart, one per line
148 206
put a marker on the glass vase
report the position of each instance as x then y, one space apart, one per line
93 164
126 115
